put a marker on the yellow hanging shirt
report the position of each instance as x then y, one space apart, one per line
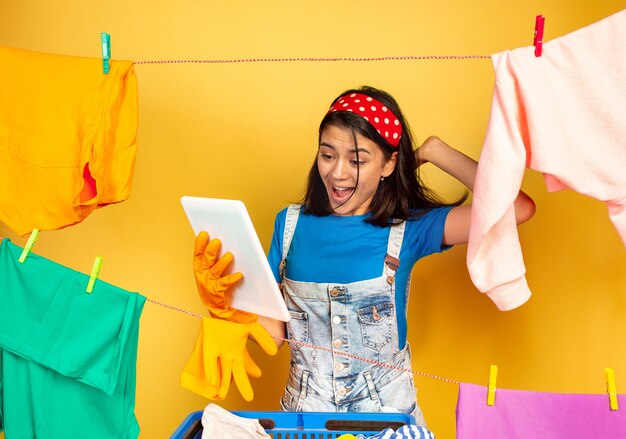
67 137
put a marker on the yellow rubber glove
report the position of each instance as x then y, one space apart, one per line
193 377
212 285
220 354
199 375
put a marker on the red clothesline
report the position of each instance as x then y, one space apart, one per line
312 59
378 363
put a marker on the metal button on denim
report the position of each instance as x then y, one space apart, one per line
375 314
342 391
334 292
337 343
336 320
339 367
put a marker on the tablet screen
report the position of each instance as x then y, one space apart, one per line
229 221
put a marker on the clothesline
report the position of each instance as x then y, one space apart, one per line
355 357
197 315
312 59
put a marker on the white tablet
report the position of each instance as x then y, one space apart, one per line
229 221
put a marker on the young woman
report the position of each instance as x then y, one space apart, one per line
344 256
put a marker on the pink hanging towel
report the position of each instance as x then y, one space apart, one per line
562 114
523 414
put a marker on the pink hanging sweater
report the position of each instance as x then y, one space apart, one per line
562 114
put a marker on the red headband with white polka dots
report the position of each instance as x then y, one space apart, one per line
373 111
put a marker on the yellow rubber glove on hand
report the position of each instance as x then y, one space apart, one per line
220 354
212 285
200 375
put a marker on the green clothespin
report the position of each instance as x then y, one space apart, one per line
29 245
97 264
106 51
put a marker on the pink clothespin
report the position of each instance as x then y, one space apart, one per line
538 40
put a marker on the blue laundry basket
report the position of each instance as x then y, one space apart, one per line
305 425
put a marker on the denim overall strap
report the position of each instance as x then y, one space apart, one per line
392 258
293 212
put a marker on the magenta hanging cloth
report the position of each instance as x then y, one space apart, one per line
526 414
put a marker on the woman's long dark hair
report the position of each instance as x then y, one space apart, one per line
402 194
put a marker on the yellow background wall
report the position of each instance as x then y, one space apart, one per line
248 131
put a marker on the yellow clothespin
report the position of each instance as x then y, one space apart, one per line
491 391
97 264
29 245
610 388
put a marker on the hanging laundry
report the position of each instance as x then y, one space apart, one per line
219 423
561 114
67 358
524 414
67 137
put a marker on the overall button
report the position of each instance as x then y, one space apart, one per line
390 280
337 343
375 314
339 367
336 320
342 391
334 292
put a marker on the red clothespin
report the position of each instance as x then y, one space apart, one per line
538 40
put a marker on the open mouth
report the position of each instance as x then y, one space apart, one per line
341 194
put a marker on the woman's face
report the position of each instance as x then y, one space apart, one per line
337 164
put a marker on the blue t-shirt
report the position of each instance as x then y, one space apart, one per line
346 249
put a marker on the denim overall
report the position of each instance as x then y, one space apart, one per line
357 318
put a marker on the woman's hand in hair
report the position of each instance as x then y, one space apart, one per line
425 151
